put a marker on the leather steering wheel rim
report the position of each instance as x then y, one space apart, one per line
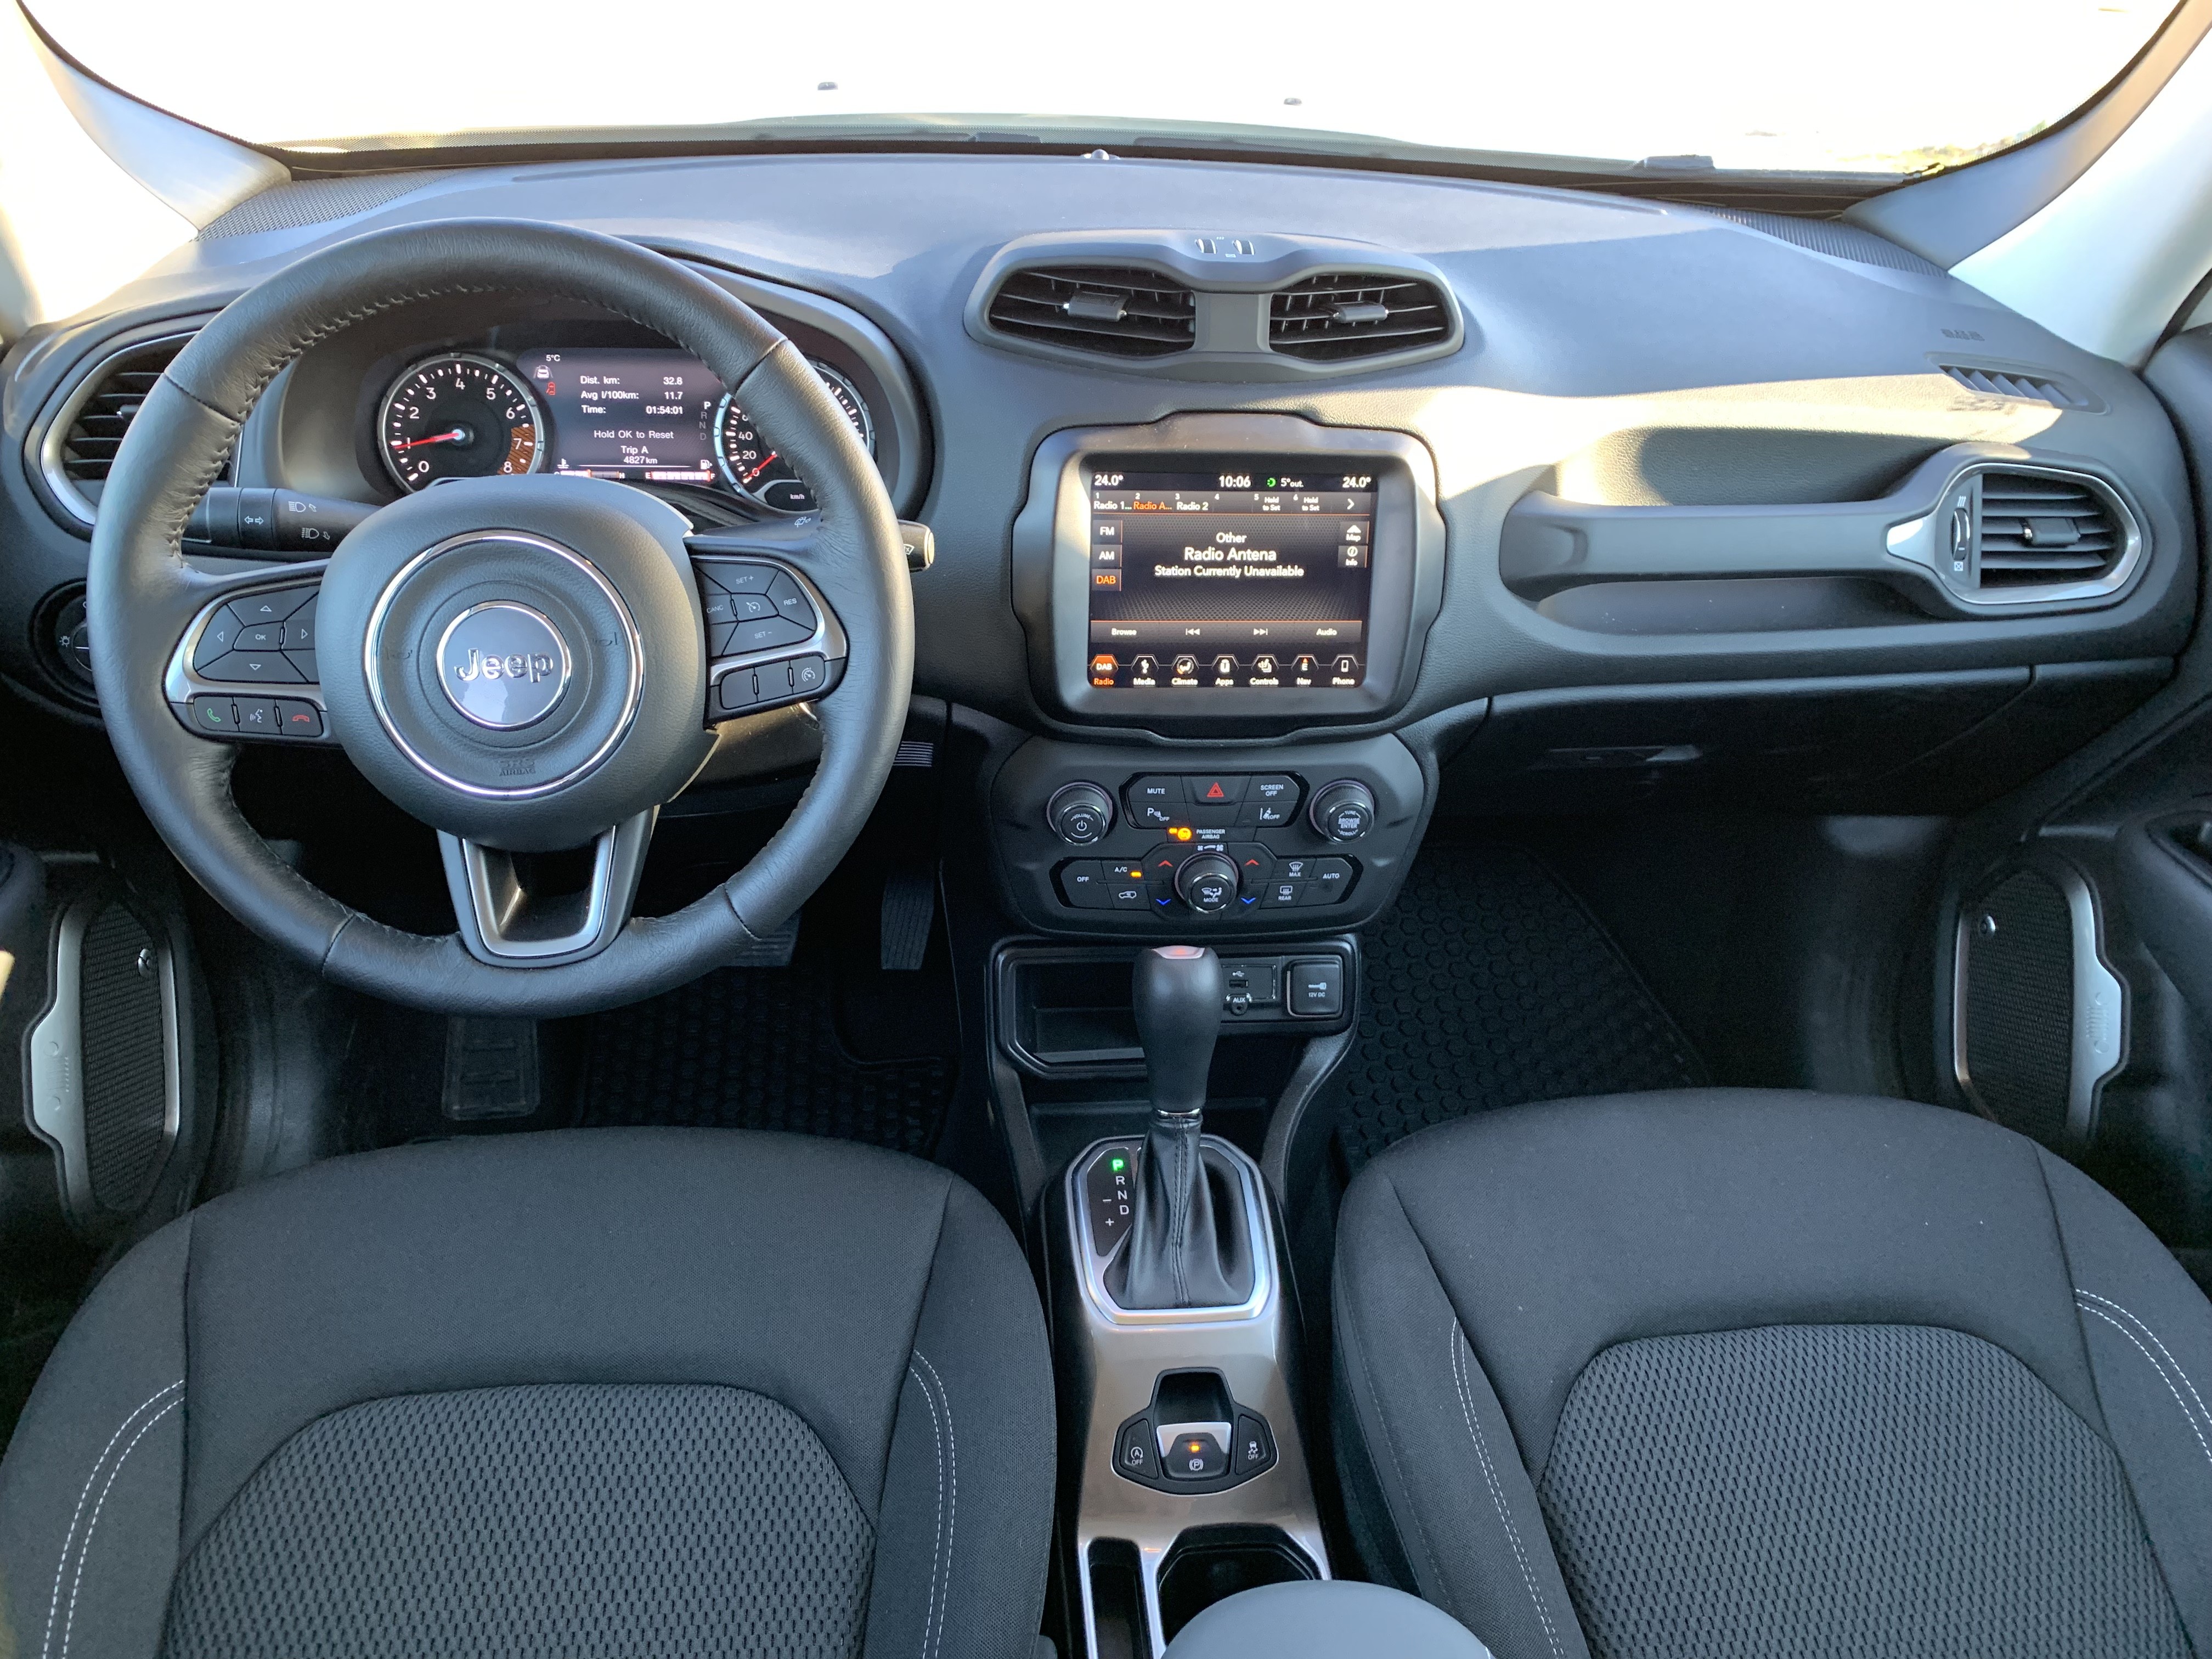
141 591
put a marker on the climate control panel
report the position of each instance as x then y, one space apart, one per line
1102 846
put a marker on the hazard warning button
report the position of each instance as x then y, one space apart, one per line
1215 792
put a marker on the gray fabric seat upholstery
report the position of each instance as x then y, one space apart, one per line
1748 1373
597 1392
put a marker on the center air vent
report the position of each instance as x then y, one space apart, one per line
1349 314
1117 311
2043 529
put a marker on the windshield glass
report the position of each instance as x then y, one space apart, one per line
1883 87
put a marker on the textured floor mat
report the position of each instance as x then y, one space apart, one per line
1488 984
757 1049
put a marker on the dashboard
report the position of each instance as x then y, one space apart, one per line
1485 496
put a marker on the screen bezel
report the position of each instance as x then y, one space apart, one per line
1052 558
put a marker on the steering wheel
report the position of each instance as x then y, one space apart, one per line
521 663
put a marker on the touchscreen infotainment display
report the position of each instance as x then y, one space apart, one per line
1243 576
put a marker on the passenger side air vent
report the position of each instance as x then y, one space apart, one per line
2028 388
1117 311
2040 530
1341 315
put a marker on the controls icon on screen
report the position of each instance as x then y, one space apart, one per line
1264 665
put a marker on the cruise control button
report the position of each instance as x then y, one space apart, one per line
221 635
751 607
809 674
298 717
715 604
269 666
765 635
215 715
790 600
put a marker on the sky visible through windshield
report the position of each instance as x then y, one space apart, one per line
1892 86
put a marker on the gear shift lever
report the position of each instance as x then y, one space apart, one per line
1187 1240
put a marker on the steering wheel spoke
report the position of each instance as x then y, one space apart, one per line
773 637
541 910
246 664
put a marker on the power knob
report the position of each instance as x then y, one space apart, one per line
1207 882
1343 810
1081 813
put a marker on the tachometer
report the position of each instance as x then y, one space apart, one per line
458 417
749 461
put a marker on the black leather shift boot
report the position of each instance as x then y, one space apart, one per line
1187 1244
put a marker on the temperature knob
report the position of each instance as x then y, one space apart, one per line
1081 813
1343 810
1207 882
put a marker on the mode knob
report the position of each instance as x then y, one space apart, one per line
1343 810
1207 882
1081 813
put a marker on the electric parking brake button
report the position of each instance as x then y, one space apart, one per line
1193 1455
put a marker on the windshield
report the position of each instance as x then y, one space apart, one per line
1881 86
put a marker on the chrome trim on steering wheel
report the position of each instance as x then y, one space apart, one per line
635 648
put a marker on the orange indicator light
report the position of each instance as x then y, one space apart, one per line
1180 832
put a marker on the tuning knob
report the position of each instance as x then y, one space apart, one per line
1081 813
1207 882
1343 810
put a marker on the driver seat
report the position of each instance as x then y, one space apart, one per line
594 1392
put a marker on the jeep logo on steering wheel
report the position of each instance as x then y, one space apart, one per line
503 665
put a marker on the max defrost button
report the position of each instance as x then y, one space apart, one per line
1315 988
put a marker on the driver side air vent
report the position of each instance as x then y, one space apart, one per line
1117 311
89 447
2039 529
1340 315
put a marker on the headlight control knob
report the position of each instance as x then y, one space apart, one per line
1081 813
1207 882
1343 810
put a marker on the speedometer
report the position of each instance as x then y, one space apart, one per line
753 467
458 417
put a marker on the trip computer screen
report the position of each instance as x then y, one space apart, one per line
1251 577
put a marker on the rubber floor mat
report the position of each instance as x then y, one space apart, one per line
757 1049
1488 984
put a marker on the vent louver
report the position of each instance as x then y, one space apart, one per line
1347 314
2038 529
2006 383
1117 311
89 447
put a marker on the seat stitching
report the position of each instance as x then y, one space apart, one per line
61 1567
2144 1325
2186 1415
951 1529
1456 1341
84 1554
937 1544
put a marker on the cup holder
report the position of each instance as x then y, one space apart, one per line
1212 1564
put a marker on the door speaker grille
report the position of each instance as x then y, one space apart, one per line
2021 1018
